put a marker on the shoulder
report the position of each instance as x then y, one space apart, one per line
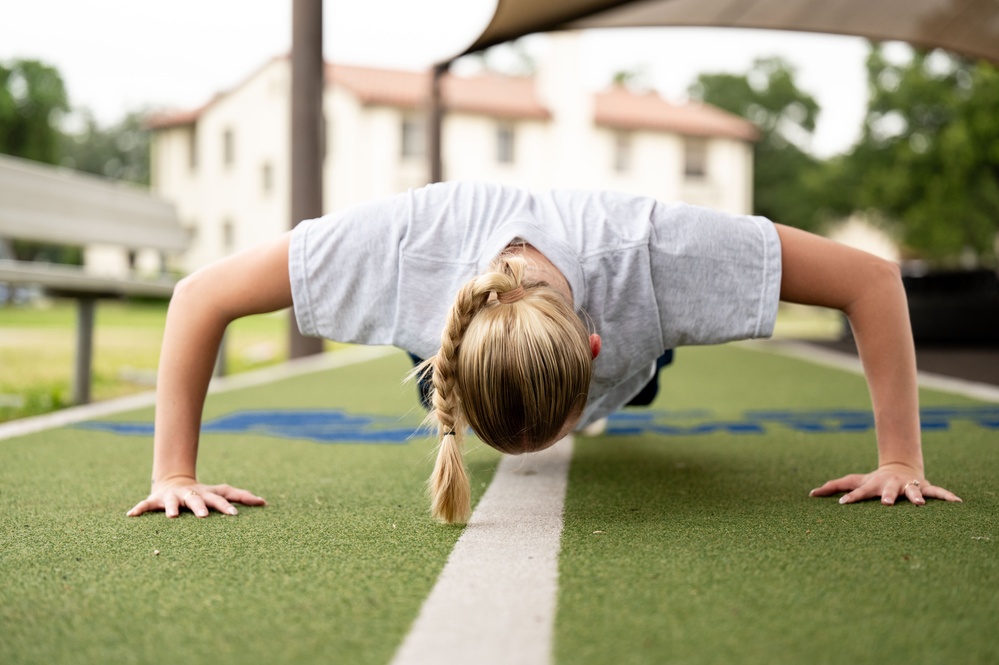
466 193
456 218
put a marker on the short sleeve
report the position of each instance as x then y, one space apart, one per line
344 271
716 276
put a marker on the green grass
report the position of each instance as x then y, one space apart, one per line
708 550
680 549
37 345
333 570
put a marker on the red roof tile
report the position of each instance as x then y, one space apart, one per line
620 108
503 96
174 118
515 98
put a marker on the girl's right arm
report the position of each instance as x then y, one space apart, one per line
203 304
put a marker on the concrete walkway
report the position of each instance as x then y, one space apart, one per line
968 363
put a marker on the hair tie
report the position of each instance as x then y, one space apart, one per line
451 433
512 295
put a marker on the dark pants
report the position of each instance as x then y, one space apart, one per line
643 398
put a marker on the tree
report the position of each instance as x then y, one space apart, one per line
32 101
119 151
635 79
786 177
929 153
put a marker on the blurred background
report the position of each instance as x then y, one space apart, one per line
187 105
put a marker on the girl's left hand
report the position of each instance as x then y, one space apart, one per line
888 482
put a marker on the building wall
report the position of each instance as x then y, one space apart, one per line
859 233
572 143
728 182
231 206
230 202
470 151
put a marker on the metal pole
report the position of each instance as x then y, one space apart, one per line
435 122
83 364
307 79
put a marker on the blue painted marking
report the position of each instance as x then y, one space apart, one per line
671 423
335 426
327 426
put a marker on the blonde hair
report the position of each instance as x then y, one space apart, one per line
514 365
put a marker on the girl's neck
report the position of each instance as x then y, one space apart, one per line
540 269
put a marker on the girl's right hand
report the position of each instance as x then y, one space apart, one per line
170 495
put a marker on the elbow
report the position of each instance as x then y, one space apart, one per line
891 268
187 289
882 283
196 294
887 274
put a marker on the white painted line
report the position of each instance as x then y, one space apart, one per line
111 407
495 600
850 363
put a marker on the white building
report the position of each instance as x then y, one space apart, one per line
226 165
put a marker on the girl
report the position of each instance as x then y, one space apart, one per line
538 314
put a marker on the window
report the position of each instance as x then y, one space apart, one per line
622 152
695 157
267 178
228 147
505 137
414 141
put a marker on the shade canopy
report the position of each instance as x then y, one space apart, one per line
967 27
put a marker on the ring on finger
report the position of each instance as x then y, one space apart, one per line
914 483
191 493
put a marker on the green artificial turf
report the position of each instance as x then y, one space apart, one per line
677 549
333 570
707 549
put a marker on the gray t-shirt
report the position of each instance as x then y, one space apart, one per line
649 276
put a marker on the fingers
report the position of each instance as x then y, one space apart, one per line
912 493
889 494
238 495
844 484
143 507
890 488
195 503
868 490
220 504
199 499
171 505
934 492
858 487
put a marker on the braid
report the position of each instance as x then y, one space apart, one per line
450 488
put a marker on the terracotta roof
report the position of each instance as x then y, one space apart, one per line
389 87
169 119
620 108
503 96
512 97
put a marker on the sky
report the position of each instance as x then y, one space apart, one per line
117 56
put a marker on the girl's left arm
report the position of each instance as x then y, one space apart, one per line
869 290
